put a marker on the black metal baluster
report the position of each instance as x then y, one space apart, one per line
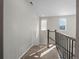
72 49
69 50
47 38
64 44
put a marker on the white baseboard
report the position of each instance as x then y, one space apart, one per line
25 52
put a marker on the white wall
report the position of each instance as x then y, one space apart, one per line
21 28
53 24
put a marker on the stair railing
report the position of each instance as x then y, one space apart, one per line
49 37
65 45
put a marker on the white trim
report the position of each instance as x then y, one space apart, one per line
25 52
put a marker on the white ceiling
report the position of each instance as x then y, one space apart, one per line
55 7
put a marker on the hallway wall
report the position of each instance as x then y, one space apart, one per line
20 28
53 24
